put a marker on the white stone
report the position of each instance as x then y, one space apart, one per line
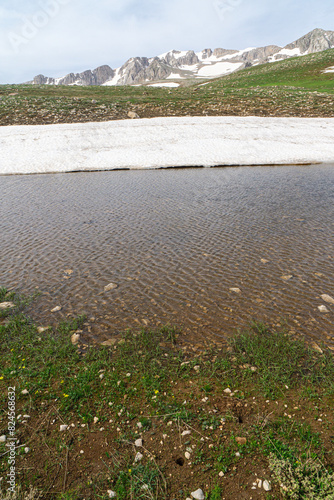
26 449
111 494
197 368
138 457
235 290
3 438
56 309
287 277
6 305
228 390
139 443
187 455
41 329
139 425
75 338
221 474
198 494
237 454
327 298
26 416
266 485
95 420
128 374
101 376
185 433
323 309
109 287
63 428
132 115
25 391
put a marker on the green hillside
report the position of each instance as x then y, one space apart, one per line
305 72
294 87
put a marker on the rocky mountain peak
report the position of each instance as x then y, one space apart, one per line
178 66
314 41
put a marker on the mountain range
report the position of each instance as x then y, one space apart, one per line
174 67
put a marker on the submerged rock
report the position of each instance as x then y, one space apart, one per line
109 287
327 298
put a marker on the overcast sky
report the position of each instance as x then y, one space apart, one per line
55 37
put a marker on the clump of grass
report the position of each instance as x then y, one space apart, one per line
297 480
281 361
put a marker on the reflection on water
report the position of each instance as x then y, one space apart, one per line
175 242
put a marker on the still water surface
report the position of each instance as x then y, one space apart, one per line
175 242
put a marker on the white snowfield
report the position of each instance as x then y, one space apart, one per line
165 142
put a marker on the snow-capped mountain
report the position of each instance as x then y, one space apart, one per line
173 67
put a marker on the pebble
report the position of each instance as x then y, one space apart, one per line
3 438
323 309
139 425
63 428
75 338
241 440
95 420
187 455
327 298
185 433
198 494
221 474
6 305
111 494
228 390
235 290
41 329
287 277
25 391
139 442
132 115
109 287
197 368
266 485
56 309
26 449
138 457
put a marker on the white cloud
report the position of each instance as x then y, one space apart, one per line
73 35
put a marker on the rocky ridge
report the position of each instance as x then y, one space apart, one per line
175 66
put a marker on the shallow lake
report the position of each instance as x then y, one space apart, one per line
175 242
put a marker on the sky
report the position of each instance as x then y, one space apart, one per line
56 37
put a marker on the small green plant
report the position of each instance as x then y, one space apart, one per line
216 493
309 480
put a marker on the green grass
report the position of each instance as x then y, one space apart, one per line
294 87
147 379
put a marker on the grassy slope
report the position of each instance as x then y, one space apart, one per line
276 425
295 87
